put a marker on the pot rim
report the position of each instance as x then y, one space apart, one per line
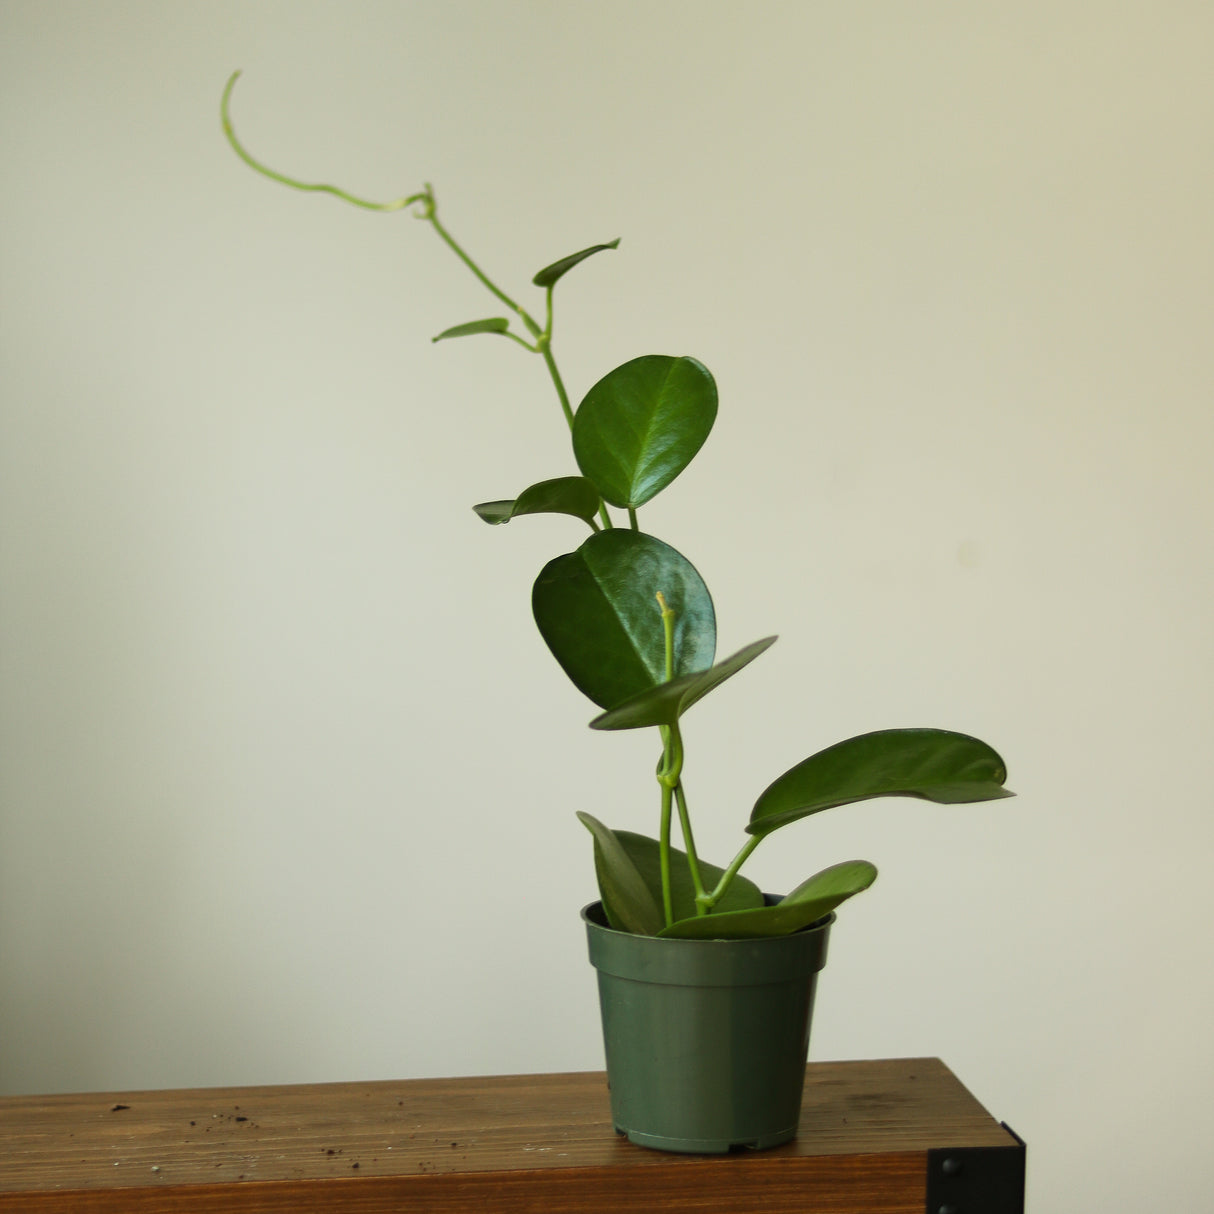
816 926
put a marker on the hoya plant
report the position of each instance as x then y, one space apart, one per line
632 624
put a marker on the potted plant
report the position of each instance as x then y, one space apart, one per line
706 983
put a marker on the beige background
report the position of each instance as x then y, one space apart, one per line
288 779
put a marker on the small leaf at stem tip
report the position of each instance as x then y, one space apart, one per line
549 275
494 324
573 495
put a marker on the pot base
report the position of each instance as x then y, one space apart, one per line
706 1146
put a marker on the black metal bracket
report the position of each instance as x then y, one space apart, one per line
977 1180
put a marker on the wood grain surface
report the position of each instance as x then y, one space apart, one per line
499 1143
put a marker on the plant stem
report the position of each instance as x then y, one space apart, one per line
428 212
544 347
543 337
693 861
431 215
522 341
710 900
398 204
668 636
664 855
672 768
670 772
425 198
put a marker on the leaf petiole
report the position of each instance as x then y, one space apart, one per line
664 856
710 900
522 342
693 861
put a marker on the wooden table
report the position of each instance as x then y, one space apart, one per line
887 1137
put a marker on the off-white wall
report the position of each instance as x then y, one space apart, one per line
288 779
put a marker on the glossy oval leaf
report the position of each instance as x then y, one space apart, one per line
494 324
664 704
809 902
627 901
642 424
549 275
562 495
933 764
596 610
645 854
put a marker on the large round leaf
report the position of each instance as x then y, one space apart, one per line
642 424
934 764
597 611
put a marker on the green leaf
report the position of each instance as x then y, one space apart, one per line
627 900
645 854
642 424
934 764
549 275
597 613
562 495
495 512
808 903
664 704
495 324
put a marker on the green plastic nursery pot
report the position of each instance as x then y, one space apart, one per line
706 1040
